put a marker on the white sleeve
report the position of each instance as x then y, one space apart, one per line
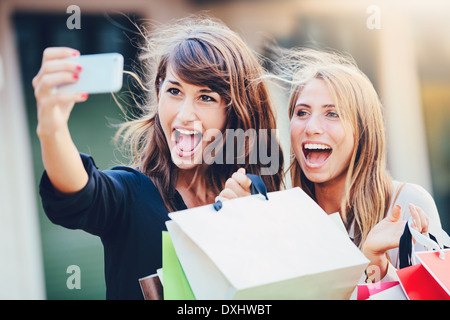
418 196
391 274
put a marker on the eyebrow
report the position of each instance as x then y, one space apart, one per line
174 82
202 90
308 106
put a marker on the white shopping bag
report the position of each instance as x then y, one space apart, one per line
285 247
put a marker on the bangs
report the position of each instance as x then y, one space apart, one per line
199 63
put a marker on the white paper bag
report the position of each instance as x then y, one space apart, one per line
285 247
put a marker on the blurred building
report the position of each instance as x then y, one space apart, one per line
402 46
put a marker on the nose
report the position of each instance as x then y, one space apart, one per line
313 125
186 110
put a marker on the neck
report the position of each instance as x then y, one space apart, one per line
193 187
329 194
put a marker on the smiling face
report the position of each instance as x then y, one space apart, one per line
186 113
322 143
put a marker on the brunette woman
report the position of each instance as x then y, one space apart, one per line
202 81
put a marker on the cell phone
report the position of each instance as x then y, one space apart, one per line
101 73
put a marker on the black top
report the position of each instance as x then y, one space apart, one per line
124 208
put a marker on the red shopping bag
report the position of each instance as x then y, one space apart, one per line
425 275
365 291
428 280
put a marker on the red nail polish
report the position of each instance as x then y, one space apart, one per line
84 95
78 67
75 76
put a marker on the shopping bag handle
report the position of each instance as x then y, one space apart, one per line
257 187
437 241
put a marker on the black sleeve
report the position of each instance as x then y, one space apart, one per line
99 206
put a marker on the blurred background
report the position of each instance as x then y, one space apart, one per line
403 46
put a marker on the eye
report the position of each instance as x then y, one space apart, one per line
332 114
301 113
173 91
206 98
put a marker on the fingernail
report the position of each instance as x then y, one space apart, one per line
84 95
76 53
75 75
78 67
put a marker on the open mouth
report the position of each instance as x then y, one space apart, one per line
316 154
186 141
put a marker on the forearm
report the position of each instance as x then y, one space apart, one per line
62 161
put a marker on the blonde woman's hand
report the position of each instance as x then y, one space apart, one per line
420 219
53 108
235 187
387 233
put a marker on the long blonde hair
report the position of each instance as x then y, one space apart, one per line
201 51
368 186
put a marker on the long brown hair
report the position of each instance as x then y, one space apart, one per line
201 51
368 185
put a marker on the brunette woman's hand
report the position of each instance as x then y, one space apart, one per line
53 108
60 156
235 187
386 235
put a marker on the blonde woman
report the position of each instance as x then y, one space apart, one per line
202 81
338 156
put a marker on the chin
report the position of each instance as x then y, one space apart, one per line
315 177
185 163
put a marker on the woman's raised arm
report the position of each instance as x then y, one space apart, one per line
59 154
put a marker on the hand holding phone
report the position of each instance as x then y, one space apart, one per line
101 73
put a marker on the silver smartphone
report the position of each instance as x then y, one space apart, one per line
101 73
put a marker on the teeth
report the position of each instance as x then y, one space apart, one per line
316 146
182 131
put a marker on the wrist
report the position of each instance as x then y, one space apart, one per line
377 268
51 132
